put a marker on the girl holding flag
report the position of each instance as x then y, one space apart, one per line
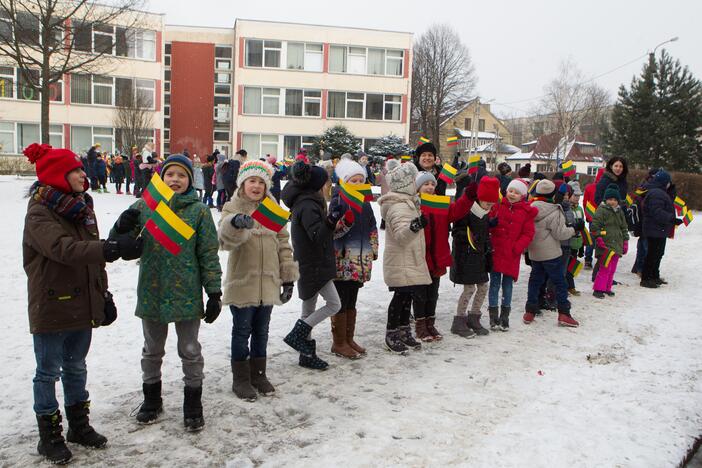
610 229
355 249
180 260
260 263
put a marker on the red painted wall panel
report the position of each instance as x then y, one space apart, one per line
159 46
192 97
66 135
404 108
67 89
406 64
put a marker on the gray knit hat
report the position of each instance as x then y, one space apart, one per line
423 177
401 177
575 185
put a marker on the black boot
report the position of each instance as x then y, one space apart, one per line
474 324
297 338
313 361
192 409
153 404
51 442
241 380
405 335
494 318
393 343
258 377
504 318
79 429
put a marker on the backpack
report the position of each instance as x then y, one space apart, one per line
634 216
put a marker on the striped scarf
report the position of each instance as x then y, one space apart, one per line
77 207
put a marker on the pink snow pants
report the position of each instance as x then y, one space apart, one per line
605 275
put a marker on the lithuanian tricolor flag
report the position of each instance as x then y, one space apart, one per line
448 173
423 140
574 267
405 157
587 238
679 204
271 215
473 162
363 189
164 225
434 203
687 216
629 201
608 257
353 197
640 191
452 141
590 208
568 169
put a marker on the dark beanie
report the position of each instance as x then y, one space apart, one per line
180 161
612 191
425 147
306 176
662 177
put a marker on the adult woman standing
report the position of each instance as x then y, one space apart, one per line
616 172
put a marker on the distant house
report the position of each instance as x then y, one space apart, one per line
493 154
544 153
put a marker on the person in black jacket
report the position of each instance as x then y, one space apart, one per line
207 173
616 172
118 173
312 230
425 160
658 222
505 170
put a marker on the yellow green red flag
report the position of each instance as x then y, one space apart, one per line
271 215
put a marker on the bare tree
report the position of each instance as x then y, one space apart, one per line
571 100
47 39
133 119
443 76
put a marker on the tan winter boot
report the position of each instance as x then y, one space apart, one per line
340 347
420 327
351 331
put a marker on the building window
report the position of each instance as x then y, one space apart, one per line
293 102
223 52
81 89
313 103
136 43
222 113
299 102
357 60
221 135
354 105
252 100
270 101
260 145
26 81
81 139
146 93
362 61
7 138
103 39
271 54
394 61
368 143
393 107
7 82
223 78
481 125
27 31
296 56
103 89
223 64
337 59
467 124
376 61
29 133
313 57
254 53
592 170
359 105
374 106
104 136
337 105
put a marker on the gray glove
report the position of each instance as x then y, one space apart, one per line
286 295
242 221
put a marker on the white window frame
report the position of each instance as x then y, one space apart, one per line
363 105
112 35
222 113
357 55
400 59
12 133
12 87
103 85
388 59
141 87
221 130
316 54
386 102
280 50
311 100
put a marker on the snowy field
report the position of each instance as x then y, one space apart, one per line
530 397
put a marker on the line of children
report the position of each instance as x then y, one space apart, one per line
260 264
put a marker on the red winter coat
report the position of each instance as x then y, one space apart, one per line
512 235
436 235
589 193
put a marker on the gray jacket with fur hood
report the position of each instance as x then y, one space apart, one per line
550 230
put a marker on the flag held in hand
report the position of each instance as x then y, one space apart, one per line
271 215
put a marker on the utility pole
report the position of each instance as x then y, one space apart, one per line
496 142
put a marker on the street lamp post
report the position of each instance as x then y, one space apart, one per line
672 39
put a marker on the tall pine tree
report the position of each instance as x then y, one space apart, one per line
658 121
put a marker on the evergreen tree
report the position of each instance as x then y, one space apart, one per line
389 144
337 141
658 121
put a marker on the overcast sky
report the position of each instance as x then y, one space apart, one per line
516 45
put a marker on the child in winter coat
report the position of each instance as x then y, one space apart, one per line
545 253
260 263
170 290
118 173
609 218
472 259
405 268
355 248
64 259
510 237
438 255
312 230
589 197
576 242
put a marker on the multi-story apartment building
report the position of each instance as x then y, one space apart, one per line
83 106
270 88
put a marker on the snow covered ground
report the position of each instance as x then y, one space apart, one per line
530 397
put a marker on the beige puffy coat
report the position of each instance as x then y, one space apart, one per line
260 260
550 230
404 257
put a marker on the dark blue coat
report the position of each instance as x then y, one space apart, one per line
658 211
607 179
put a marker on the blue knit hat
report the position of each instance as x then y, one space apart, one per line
662 177
182 162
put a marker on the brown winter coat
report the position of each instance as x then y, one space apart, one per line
260 260
66 278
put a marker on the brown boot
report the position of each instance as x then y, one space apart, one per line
339 346
420 327
351 330
432 329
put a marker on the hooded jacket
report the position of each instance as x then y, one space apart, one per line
549 231
436 235
512 235
471 265
612 221
589 193
658 211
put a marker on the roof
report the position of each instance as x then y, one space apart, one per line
551 146
501 148
468 134
458 111
321 25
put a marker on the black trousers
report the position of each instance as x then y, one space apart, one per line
425 298
400 307
652 262
348 293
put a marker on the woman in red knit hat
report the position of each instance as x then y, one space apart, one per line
64 259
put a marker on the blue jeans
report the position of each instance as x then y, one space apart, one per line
250 322
497 280
641 251
60 355
553 270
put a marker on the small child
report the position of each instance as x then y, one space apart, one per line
576 242
510 237
609 218
312 231
545 253
355 247
170 290
260 263
472 259
405 268
438 255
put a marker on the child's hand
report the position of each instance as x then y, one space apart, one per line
127 221
110 310
601 243
213 307
492 222
242 221
349 218
419 223
286 295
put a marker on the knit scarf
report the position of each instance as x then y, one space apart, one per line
76 207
